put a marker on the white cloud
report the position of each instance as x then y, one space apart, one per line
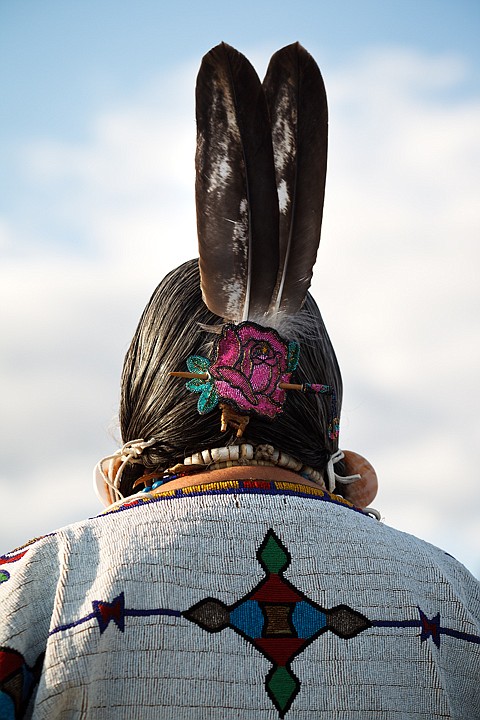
398 285
396 281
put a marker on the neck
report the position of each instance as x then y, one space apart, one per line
241 472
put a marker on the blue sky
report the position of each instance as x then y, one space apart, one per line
96 205
58 59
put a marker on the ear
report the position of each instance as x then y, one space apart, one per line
110 468
363 491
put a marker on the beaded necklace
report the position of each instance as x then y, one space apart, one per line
230 456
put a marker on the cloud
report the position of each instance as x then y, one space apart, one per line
110 215
398 280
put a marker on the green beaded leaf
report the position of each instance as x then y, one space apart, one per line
208 399
208 395
198 364
196 384
282 686
293 356
273 555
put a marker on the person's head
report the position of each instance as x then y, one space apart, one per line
260 181
154 405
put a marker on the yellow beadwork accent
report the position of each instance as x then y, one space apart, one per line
226 484
340 499
298 487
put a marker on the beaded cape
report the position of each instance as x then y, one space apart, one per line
249 599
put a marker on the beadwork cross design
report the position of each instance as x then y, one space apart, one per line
278 619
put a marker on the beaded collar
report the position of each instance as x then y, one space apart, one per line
235 487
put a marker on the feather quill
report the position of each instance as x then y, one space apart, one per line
297 104
236 196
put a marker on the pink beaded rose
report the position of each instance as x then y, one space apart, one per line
250 363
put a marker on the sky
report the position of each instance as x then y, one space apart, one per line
97 140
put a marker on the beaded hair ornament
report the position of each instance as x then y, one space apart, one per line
260 183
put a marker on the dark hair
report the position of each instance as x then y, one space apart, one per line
156 405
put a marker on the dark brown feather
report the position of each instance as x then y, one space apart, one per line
236 198
297 104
